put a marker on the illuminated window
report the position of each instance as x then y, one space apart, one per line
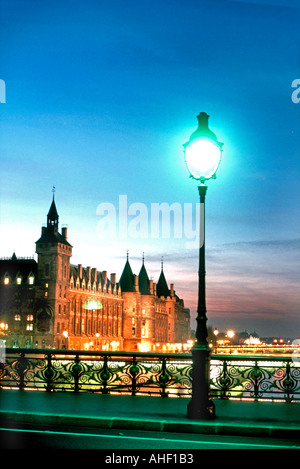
133 321
17 317
31 280
29 317
6 281
3 326
19 280
143 331
29 327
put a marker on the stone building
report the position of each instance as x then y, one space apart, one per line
52 303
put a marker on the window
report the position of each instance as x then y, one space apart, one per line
6 281
17 317
133 321
19 280
143 331
47 266
31 279
133 331
29 327
29 317
3 326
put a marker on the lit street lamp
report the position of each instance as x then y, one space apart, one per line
216 333
202 156
65 340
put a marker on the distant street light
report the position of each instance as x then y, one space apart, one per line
202 156
216 333
65 335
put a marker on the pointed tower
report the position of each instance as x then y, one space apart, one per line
52 218
54 253
144 282
162 286
131 308
127 280
147 312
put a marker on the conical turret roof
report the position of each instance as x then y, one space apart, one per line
144 283
127 279
52 214
162 286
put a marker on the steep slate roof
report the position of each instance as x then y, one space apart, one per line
15 266
144 283
127 279
49 236
162 287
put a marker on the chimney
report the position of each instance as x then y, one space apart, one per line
154 289
151 287
172 289
80 270
64 232
89 273
136 282
104 275
113 278
94 274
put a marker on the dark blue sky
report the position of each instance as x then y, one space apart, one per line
100 97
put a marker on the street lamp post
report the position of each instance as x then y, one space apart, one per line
202 156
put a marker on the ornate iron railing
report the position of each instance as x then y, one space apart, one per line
149 374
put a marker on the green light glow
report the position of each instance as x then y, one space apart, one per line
92 304
169 440
202 158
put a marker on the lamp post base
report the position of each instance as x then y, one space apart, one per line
200 410
201 406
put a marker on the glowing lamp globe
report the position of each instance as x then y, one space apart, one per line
203 151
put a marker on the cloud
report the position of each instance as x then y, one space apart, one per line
255 283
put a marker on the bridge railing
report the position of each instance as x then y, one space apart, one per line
160 374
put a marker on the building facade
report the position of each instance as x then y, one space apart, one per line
51 303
